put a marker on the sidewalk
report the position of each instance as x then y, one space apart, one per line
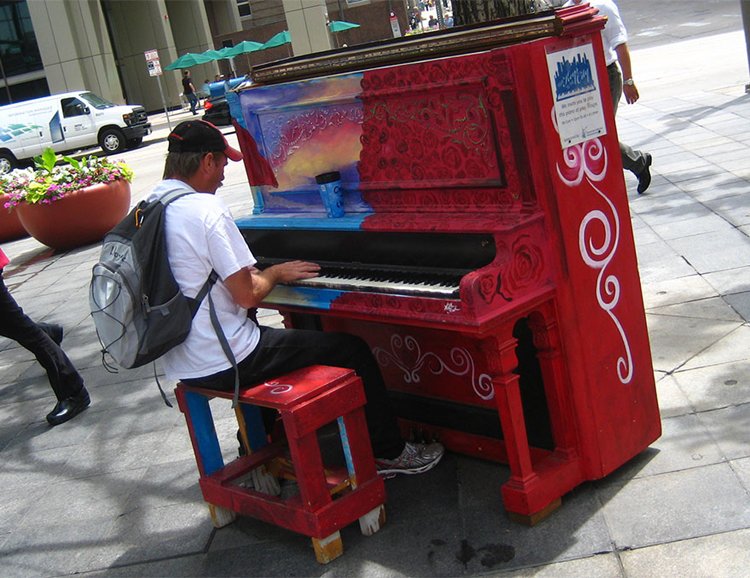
114 492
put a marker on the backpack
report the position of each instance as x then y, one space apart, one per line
138 309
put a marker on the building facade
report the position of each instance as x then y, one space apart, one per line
53 46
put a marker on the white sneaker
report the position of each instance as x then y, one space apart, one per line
415 459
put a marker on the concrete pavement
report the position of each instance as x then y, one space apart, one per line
114 492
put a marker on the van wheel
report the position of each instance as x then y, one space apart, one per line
112 140
7 162
134 143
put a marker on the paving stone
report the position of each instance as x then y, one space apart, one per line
742 469
672 400
729 427
726 555
734 346
54 549
675 291
689 227
740 302
152 534
714 308
730 281
707 252
715 386
677 340
674 506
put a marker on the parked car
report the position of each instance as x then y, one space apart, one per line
216 110
216 106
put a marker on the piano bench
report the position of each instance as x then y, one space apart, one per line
328 498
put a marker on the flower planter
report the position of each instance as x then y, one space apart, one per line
79 218
10 226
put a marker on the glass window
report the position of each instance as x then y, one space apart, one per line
244 8
19 52
96 101
73 107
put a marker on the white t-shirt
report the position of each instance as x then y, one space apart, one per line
614 32
201 235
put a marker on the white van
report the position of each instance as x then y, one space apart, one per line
67 122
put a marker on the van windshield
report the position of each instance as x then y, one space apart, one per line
96 101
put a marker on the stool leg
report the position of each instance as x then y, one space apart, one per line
221 517
252 438
372 520
328 548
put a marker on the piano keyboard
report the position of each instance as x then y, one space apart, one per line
439 284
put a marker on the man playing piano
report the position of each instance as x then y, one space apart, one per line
201 236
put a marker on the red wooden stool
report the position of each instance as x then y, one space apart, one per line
328 499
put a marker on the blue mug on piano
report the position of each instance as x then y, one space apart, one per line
331 193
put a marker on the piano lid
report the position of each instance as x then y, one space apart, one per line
452 41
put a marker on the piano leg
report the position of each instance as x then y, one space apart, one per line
501 355
549 353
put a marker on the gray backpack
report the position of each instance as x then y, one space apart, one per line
138 309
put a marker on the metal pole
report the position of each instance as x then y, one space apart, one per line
164 102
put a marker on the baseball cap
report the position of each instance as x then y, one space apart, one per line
199 136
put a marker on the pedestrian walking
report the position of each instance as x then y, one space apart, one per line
188 90
617 58
43 340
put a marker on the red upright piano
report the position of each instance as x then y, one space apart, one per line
486 253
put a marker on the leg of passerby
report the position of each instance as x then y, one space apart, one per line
66 382
193 102
635 161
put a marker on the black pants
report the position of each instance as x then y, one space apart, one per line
283 350
16 325
632 160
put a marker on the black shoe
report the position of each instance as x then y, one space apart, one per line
53 330
69 408
644 178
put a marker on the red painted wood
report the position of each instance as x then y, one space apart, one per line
307 399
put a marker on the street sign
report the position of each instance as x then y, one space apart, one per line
395 26
152 62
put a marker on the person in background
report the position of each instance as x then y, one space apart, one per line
188 89
206 89
43 340
615 41
198 153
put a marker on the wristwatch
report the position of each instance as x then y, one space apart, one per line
629 82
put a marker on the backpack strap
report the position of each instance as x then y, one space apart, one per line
170 196
225 346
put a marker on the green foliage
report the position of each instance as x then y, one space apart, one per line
51 180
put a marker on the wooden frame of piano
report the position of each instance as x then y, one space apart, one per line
481 101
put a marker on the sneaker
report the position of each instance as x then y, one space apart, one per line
415 459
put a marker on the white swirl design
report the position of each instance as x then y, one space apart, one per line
607 285
461 363
589 160
278 388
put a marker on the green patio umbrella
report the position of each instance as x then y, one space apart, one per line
187 60
277 40
243 48
217 54
339 25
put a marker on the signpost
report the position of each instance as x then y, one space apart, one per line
154 69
